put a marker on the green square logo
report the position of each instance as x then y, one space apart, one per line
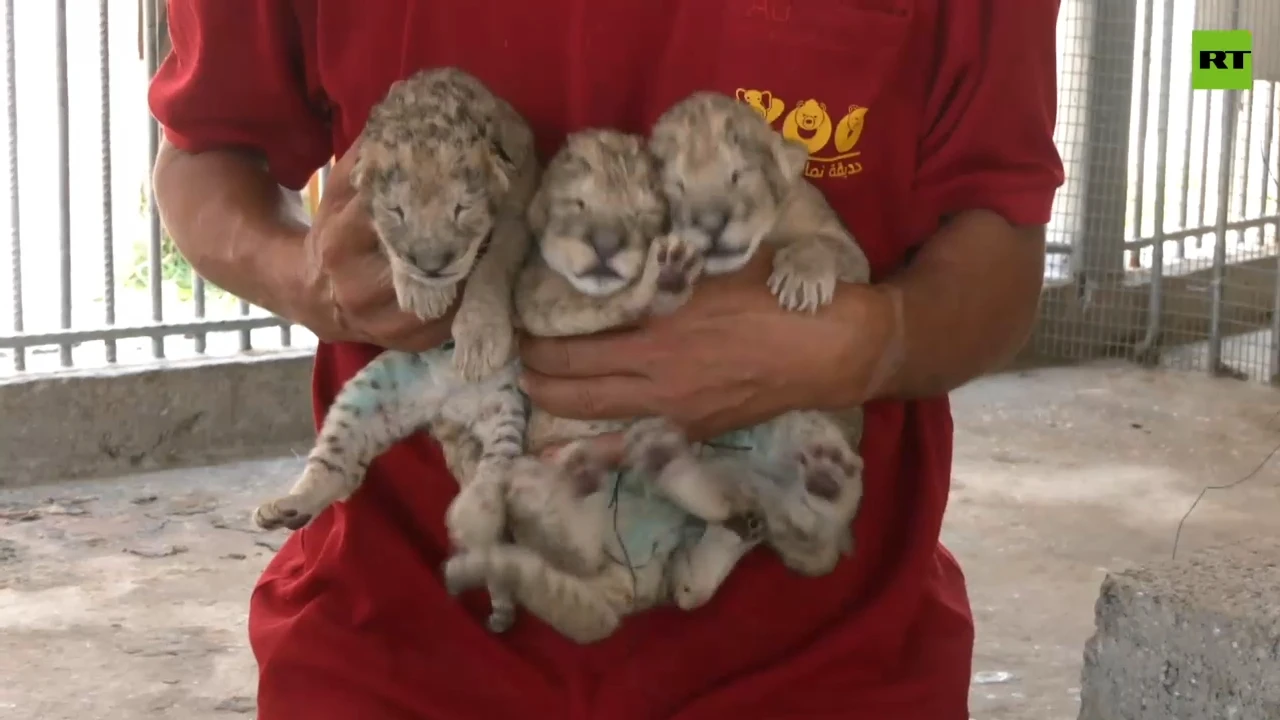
1221 60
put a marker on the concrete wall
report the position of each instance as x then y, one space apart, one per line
102 423
1197 639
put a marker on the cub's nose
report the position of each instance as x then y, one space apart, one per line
713 223
436 264
606 242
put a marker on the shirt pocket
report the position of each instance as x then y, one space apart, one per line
816 70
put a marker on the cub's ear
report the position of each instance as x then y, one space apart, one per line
791 156
663 142
536 215
510 148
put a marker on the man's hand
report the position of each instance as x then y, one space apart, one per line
729 359
351 296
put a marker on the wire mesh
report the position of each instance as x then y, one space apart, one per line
1167 221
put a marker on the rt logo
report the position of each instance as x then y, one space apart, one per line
1221 60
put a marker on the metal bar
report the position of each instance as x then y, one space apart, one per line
1274 376
1242 192
15 221
1107 58
1204 168
156 249
1179 248
108 215
1196 231
198 293
1268 359
64 175
120 332
1144 101
1155 300
1226 168
1264 186
246 339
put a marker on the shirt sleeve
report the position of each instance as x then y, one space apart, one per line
989 138
235 78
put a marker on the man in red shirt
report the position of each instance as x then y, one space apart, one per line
929 124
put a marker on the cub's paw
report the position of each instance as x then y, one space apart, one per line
477 516
583 468
679 267
501 618
426 301
289 511
804 277
831 472
466 571
482 345
652 444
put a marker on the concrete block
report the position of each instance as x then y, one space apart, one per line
131 419
1197 639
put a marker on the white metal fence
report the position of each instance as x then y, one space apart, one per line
1162 247
92 278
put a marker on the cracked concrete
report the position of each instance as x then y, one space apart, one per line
125 598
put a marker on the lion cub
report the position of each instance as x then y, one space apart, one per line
589 545
445 168
733 184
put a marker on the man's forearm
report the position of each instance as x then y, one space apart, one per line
237 227
965 305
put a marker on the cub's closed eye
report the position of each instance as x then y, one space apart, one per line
457 210
397 211
735 176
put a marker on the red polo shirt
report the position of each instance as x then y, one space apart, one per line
912 109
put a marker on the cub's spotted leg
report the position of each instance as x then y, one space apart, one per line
496 414
385 402
477 517
556 507
572 605
483 331
699 567
815 252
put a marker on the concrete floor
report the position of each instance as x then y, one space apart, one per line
125 598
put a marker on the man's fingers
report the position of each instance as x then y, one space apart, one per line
607 353
612 397
339 180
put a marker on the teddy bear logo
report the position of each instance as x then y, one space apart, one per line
763 102
810 124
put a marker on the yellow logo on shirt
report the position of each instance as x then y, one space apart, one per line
831 144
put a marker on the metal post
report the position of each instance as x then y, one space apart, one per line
1098 255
